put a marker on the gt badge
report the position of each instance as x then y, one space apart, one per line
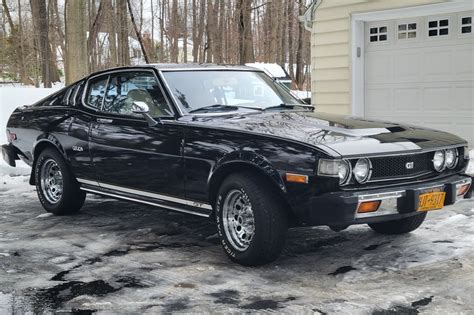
409 165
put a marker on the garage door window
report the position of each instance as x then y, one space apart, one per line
407 31
378 34
438 28
466 25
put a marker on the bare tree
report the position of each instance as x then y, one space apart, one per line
40 21
137 33
76 42
244 8
123 44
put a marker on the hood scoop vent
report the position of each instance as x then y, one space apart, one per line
396 129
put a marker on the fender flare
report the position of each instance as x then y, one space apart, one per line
246 159
45 140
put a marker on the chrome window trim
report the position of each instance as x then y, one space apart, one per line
86 91
109 73
209 69
173 97
183 113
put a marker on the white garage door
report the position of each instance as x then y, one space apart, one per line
421 71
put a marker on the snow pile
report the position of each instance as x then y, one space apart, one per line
272 69
11 98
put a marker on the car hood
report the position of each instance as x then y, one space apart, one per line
336 134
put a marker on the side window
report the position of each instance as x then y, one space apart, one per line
56 100
96 92
128 87
67 95
72 97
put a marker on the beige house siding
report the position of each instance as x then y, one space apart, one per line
331 49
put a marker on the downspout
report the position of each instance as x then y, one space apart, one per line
308 16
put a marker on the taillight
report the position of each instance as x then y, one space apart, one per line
11 136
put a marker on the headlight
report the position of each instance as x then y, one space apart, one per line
451 158
439 161
344 172
362 170
335 168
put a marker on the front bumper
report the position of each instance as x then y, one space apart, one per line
340 208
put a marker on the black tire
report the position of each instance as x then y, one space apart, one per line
400 226
71 199
270 219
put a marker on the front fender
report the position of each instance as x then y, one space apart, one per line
239 160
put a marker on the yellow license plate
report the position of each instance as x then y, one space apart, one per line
431 201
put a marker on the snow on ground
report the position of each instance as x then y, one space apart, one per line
13 97
117 257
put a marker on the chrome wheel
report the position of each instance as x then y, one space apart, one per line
51 181
238 220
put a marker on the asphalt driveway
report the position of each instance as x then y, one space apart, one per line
117 257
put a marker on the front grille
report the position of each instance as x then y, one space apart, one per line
394 167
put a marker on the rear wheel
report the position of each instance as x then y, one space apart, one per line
251 219
57 189
399 226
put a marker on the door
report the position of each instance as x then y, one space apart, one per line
131 157
421 71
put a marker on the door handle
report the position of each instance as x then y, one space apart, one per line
105 120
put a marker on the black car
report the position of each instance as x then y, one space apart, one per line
229 143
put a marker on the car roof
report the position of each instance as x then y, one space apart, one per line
181 67
200 66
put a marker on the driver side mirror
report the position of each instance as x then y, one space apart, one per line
139 107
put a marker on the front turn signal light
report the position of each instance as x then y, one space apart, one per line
296 178
368 206
461 190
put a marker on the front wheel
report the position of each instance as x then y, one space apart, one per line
251 219
58 190
400 226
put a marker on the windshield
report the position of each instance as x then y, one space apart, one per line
197 89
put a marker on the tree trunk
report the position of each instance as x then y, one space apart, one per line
291 54
299 52
123 46
185 32
76 42
137 33
195 32
202 14
112 32
40 21
245 32
93 31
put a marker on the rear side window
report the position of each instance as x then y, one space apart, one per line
56 100
75 94
96 92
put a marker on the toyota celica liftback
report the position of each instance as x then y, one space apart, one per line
230 144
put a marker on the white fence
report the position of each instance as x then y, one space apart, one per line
12 97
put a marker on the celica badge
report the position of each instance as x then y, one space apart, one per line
409 165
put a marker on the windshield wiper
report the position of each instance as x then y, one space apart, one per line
283 105
221 106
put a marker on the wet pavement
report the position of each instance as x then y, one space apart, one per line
117 257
